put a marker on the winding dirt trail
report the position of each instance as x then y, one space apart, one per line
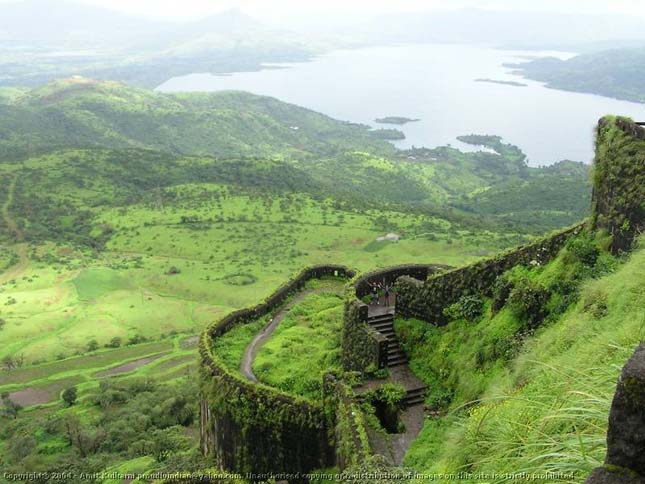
249 353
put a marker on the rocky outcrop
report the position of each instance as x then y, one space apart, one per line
625 462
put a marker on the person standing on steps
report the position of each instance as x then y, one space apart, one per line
386 294
374 286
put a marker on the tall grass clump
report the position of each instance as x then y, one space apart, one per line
547 411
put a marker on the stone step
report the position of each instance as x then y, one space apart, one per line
383 324
417 391
380 318
415 396
414 401
398 360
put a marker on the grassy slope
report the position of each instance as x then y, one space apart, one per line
545 410
127 290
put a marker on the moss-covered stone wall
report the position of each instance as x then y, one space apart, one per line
618 202
350 437
363 348
427 300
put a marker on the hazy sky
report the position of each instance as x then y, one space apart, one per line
185 9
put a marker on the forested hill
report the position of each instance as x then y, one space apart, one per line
616 73
81 112
133 143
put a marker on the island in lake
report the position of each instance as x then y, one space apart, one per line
395 120
506 83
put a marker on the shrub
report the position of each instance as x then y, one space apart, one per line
136 339
114 342
173 270
501 290
528 300
92 345
595 302
69 396
584 249
391 394
469 308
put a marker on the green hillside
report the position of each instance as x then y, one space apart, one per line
155 138
526 386
81 112
616 73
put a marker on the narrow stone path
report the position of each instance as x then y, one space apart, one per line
251 350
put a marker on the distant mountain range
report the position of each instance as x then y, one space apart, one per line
75 25
75 38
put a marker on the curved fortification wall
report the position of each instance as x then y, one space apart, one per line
253 428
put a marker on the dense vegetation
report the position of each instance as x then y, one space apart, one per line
524 382
616 73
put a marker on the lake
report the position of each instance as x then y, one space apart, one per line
435 83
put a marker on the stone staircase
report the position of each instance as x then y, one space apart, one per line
381 318
415 396
384 324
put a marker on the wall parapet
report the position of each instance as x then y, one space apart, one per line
427 300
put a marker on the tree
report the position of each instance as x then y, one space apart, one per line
69 396
9 407
92 345
115 342
8 362
528 300
80 438
20 446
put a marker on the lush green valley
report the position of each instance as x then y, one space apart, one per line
132 220
228 255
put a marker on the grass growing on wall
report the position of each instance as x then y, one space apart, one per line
546 410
